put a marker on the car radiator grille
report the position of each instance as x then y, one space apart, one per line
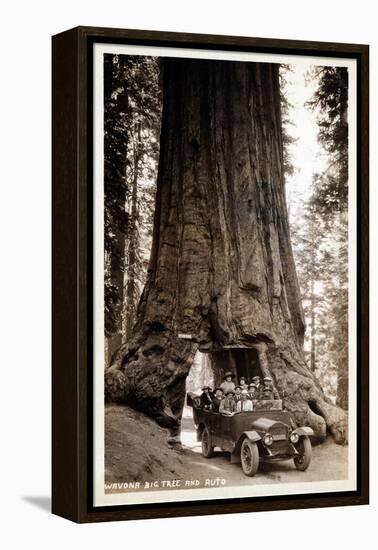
279 434
279 447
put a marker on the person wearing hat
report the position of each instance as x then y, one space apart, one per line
252 390
206 398
243 384
256 381
218 396
245 404
228 405
237 395
227 383
269 391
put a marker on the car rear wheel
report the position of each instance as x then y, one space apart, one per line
249 454
304 448
207 448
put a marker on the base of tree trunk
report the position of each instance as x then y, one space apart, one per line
304 399
151 378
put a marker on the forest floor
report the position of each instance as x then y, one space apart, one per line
136 450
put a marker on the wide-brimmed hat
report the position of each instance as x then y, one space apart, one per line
206 388
218 389
236 387
244 392
228 373
268 379
252 386
256 378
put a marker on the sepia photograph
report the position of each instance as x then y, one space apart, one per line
224 259
186 229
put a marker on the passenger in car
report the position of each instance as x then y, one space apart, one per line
228 405
243 384
256 381
245 404
269 391
227 383
237 395
252 391
206 398
217 399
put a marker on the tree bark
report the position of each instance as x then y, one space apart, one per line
131 282
342 361
115 154
313 342
342 387
222 276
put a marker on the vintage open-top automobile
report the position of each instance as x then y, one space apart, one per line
250 437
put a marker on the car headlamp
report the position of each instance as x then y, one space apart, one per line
294 437
268 439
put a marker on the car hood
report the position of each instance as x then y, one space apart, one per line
265 424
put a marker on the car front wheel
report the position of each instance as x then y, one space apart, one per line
249 454
304 448
207 448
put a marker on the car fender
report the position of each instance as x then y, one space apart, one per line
304 430
252 436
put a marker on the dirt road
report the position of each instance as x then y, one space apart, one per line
136 450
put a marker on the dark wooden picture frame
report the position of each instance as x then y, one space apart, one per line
72 409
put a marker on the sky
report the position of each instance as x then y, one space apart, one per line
306 152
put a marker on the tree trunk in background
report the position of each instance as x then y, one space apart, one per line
342 397
342 387
313 276
115 148
222 273
131 282
313 342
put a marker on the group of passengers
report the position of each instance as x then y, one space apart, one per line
230 398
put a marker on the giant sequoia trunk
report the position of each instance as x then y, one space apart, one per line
222 277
